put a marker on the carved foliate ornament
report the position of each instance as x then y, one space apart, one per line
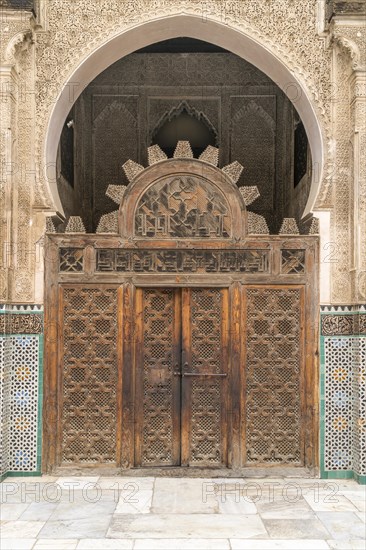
116 192
233 170
75 225
50 228
249 194
289 227
314 227
155 154
108 223
211 155
131 169
183 150
257 224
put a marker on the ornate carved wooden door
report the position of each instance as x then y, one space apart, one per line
181 377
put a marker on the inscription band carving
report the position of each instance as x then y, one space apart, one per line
183 261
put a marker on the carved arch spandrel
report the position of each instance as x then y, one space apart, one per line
208 182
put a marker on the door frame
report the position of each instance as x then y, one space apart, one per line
89 247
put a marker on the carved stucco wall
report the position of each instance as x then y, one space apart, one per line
39 55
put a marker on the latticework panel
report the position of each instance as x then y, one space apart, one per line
158 341
206 397
273 408
89 375
339 402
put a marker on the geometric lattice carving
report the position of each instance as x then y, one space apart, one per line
89 375
359 407
50 228
182 261
249 194
183 206
75 225
293 261
5 399
273 376
71 260
116 192
24 404
155 154
338 358
131 169
257 224
314 227
289 227
108 223
233 170
183 150
210 155
158 342
206 396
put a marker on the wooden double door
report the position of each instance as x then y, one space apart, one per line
181 377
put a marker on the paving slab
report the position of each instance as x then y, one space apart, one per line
28 529
186 526
343 525
182 496
95 527
293 544
296 529
105 544
182 544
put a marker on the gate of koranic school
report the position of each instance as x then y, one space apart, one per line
181 334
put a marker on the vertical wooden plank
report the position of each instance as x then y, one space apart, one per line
311 366
60 376
186 381
119 404
138 394
243 374
303 379
177 379
51 329
234 401
225 369
127 384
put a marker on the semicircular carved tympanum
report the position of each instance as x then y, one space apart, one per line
184 197
183 206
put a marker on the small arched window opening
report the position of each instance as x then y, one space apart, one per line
184 124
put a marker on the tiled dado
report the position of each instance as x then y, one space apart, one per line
21 350
343 392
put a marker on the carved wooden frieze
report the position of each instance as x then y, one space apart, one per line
182 261
292 261
183 206
71 260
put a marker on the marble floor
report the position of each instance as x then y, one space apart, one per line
181 513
